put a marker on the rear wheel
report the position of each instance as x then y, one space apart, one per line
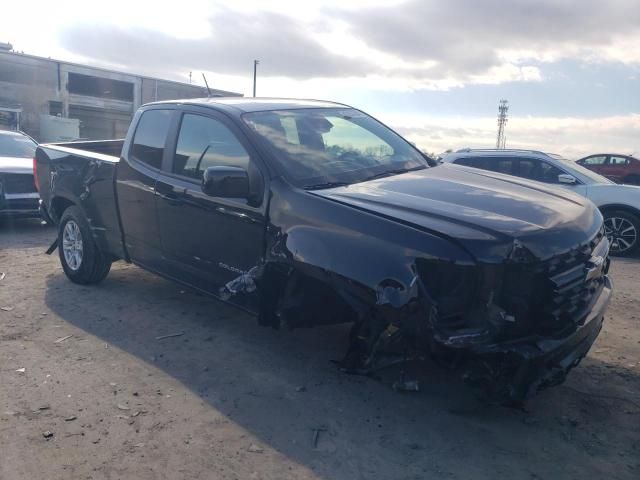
622 228
81 259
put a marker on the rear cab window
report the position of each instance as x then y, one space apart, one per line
150 137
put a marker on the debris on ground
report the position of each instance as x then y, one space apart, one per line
70 418
6 309
122 406
316 434
253 448
47 434
21 370
2 275
62 339
162 337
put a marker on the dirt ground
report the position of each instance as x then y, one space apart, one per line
231 400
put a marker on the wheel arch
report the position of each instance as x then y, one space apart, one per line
59 204
619 206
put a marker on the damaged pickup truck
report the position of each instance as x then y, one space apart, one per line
311 213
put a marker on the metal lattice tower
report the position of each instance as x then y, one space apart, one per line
503 108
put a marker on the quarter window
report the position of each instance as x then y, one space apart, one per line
150 136
205 142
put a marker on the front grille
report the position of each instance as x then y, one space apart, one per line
554 297
17 183
572 291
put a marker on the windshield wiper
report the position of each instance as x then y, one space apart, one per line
388 173
320 186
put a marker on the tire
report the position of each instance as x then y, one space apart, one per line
81 260
623 230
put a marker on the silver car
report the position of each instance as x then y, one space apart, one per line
619 204
18 194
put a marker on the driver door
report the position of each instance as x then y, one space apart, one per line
208 241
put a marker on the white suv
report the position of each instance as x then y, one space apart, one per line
619 204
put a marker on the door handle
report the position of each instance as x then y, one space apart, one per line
171 198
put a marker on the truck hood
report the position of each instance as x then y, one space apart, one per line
483 211
16 165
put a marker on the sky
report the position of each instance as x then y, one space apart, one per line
433 70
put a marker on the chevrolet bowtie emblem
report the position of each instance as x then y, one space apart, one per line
594 268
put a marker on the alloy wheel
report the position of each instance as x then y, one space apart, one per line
72 246
621 233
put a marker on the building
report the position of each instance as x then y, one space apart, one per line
53 100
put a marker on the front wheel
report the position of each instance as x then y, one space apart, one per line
80 257
622 228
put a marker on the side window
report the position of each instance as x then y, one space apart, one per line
618 161
548 173
597 160
527 168
466 161
500 165
151 133
205 142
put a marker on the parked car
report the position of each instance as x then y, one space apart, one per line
619 168
619 204
18 195
309 213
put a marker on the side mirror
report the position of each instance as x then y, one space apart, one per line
226 182
567 179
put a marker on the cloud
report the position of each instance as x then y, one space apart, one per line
569 136
406 45
284 46
469 37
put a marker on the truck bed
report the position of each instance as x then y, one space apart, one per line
83 173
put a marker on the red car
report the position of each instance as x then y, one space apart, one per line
619 168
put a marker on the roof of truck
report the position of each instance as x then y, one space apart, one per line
251 104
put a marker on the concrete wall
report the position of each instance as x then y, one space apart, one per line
33 82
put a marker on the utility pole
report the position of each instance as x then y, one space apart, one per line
503 108
255 69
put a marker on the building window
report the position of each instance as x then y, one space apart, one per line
55 108
100 87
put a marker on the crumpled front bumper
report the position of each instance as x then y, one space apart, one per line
522 368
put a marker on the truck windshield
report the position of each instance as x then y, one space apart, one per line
324 147
16 145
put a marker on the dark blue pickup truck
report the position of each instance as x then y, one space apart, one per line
309 213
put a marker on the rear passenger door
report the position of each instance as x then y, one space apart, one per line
135 185
208 241
616 168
